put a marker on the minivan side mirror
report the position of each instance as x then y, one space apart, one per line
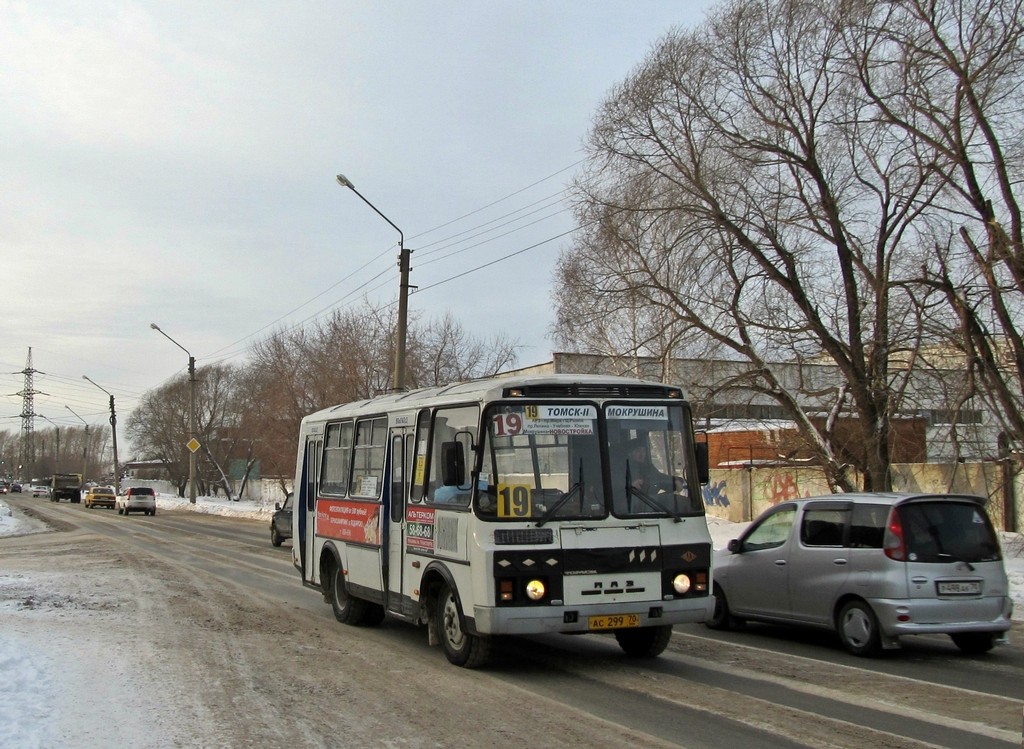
734 546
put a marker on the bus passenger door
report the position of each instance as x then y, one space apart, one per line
305 507
401 456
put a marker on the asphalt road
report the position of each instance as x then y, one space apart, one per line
266 664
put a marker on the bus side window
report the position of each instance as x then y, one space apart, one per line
418 491
454 434
337 459
368 457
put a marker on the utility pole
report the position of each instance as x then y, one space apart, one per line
113 430
403 288
193 443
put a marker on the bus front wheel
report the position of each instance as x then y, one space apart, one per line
646 642
460 647
347 610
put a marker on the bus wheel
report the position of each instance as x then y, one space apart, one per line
460 647
347 610
646 642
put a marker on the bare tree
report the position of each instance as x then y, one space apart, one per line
744 184
159 426
443 352
948 77
347 357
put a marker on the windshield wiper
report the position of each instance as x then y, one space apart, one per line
577 487
632 491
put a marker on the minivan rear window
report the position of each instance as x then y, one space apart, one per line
141 490
947 531
867 527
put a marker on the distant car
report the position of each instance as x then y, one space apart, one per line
100 496
15 488
136 499
4 488
39 491
281 522
871 567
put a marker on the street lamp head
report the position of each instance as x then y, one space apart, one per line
154 326
343 181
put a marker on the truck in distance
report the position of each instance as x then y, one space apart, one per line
66 486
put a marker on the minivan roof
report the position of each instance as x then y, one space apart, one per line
890 498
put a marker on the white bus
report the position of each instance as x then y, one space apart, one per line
519 505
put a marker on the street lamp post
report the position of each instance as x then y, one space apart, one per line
85 444
113 431
403 296
192 446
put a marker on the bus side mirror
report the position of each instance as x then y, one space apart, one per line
453 464
703 467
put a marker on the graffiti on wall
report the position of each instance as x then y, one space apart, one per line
715 494
783 486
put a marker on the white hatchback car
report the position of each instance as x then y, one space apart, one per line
871 567
136 499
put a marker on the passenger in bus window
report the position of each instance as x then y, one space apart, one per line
457 494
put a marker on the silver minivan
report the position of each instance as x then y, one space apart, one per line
872 567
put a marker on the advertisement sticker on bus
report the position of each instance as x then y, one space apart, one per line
545 419
348 521
419 528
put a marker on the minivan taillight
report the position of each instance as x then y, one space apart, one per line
893 541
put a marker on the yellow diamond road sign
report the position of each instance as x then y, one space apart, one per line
192 444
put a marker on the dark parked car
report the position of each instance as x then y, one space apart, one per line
281 522
871 567
15 488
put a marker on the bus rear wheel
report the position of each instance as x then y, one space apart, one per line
460 647
646 642
347 610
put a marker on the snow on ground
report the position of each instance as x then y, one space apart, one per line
28 660
721 532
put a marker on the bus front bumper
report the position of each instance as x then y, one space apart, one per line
525 620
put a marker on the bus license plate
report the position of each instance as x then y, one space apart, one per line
613 621
971 588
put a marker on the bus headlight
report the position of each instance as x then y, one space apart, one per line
681 583
535 590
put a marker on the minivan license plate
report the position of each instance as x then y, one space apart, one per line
613 621
971 588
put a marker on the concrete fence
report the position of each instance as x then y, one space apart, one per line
741 494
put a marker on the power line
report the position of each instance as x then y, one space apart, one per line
228 349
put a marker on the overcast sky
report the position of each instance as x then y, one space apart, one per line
175 163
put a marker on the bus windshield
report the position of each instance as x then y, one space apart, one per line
647 460
544 461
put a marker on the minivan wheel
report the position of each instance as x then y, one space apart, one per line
722 617
974 643
858 629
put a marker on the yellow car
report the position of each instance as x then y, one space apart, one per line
100 496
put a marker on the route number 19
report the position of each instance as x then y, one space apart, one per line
514 501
